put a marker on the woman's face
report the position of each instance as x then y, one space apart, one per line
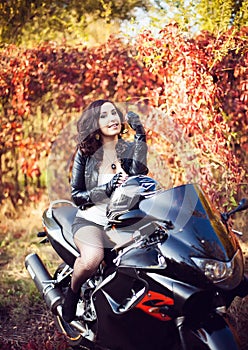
109 121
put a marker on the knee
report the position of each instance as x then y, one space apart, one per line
90 265
90 262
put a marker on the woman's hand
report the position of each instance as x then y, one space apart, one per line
115 182
133 120
122 178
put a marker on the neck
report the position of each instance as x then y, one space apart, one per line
109 144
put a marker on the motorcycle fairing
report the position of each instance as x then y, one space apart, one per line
213 333
181 292
130 327
168 257
128 290
196 224
138 330
157 305
55 233
141 258
65 216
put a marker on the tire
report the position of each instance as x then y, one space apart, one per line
73 336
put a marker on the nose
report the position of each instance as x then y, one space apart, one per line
112 118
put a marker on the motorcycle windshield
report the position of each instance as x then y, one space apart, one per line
196 224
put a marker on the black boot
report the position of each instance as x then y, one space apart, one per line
69 306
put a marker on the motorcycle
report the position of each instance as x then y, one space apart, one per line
175 268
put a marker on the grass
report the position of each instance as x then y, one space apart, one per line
25 321
24 316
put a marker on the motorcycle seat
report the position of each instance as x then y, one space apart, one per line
65 216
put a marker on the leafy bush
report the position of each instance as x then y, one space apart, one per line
191 93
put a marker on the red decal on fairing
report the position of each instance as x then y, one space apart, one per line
152 302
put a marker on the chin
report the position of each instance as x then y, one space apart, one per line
114 132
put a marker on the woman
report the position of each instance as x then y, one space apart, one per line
102 162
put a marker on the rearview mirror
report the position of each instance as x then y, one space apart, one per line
243 205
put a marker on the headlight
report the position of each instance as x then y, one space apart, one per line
226 274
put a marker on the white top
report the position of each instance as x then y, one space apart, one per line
97 213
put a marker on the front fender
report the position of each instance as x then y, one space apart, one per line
214 334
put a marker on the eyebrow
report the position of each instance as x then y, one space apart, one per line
113 110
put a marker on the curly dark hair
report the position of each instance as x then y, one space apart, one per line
89 140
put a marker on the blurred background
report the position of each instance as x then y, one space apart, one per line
182 65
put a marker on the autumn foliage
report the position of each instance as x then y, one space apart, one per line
203 88
190 89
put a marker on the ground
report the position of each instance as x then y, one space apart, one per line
25 321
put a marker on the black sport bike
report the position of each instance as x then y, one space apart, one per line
175 268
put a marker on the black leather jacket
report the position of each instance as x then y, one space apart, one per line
84 177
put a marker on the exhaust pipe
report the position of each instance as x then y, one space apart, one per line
43 281
45 285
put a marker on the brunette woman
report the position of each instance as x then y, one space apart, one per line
102 162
